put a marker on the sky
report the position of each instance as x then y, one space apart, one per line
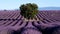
14 4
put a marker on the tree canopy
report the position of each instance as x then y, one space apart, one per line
29 10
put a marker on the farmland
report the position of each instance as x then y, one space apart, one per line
11 19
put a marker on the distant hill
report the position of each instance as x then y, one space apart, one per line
49 8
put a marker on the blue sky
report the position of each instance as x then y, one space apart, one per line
14 4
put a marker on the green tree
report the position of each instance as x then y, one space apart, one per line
29 10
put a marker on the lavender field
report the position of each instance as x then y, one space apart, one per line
11 22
